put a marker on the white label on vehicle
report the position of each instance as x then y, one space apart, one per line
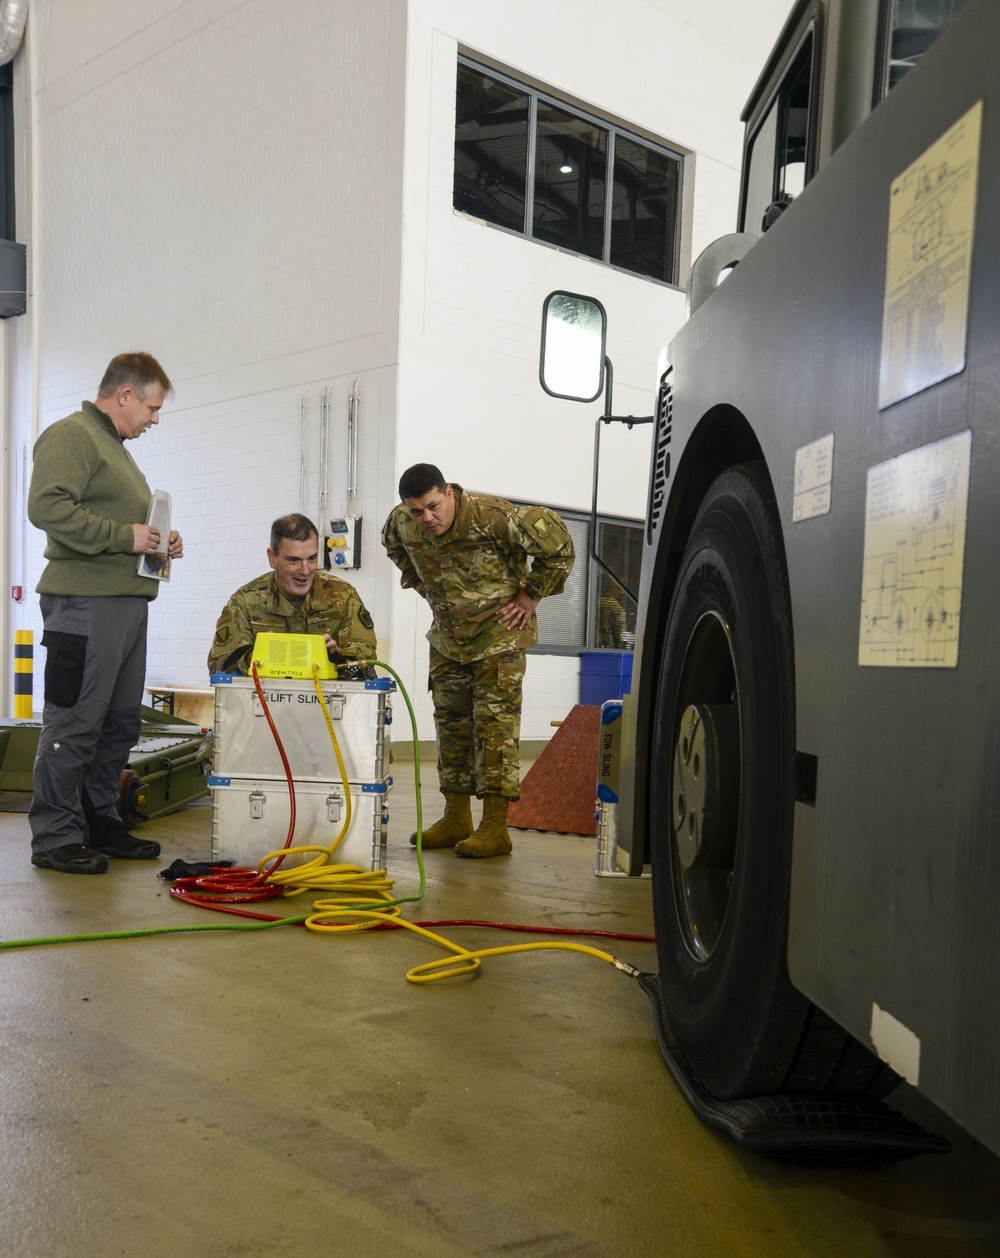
813 479
911 585
896 1045
932 209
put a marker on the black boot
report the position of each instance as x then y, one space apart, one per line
109 836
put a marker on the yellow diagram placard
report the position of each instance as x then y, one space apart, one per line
932 212
911 587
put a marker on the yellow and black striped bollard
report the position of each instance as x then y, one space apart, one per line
23 665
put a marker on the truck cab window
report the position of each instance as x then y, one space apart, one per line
778 153
913 27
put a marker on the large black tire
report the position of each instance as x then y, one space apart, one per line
722 799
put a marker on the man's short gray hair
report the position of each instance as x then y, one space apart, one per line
138 369
296 527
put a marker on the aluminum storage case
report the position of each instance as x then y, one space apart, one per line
245 746
249 788
250 819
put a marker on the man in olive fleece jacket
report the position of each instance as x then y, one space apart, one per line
91 500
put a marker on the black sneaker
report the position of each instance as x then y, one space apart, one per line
109 836
73 858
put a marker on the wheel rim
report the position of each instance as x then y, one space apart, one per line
129 785
707 771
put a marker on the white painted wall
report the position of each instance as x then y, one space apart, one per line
219 183
260 194
472 295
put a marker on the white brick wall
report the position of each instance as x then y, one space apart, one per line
250 464
224 183
232 179
213 184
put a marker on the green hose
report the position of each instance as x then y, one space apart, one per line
153 930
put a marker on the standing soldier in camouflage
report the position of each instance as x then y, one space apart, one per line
292 598
467 555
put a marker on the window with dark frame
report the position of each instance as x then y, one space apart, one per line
530 163
593 612
613 612
491 150
777 155
562 618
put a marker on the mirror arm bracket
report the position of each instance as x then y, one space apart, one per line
609 418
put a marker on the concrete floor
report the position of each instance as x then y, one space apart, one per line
286 1093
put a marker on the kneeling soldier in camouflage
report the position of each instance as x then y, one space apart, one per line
467 555
292 598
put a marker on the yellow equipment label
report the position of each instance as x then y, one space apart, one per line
911 590
932 210
292 655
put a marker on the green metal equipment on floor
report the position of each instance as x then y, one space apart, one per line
166 770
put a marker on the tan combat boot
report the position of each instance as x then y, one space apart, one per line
492 838
454 825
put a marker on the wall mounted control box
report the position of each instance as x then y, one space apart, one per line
343 544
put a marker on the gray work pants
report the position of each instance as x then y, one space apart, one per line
95 670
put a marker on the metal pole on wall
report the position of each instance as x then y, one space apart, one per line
24 651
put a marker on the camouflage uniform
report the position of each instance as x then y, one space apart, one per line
476 665
332 606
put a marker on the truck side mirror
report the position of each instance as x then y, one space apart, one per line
574 332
